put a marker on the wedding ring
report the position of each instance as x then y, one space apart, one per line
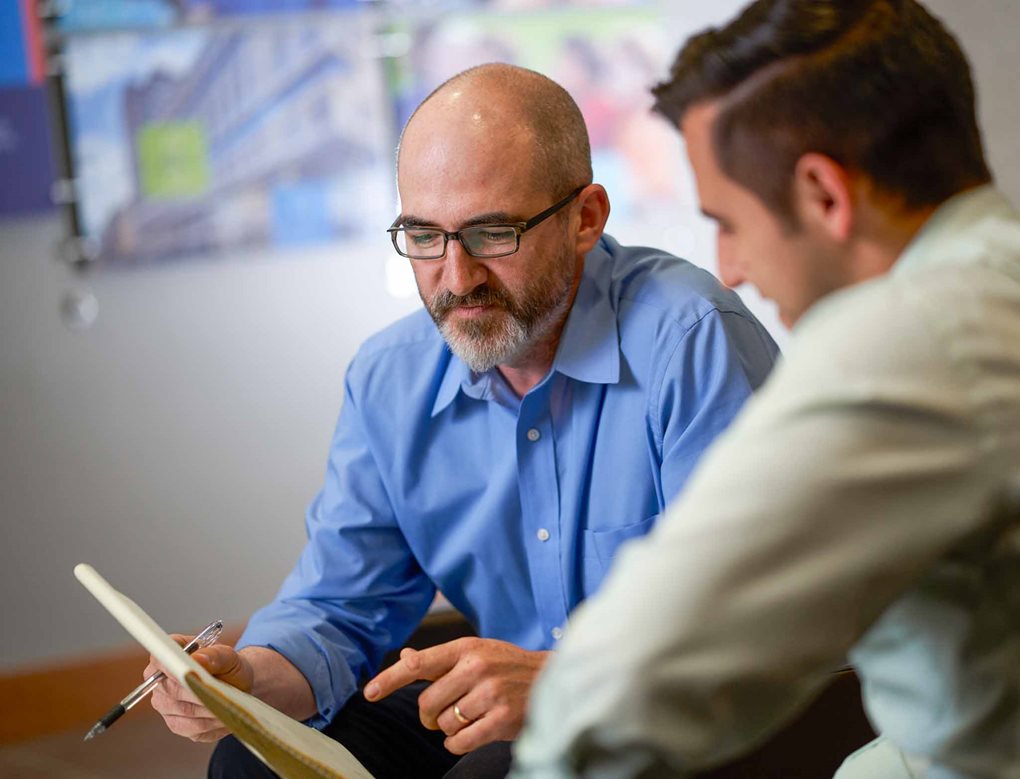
460 716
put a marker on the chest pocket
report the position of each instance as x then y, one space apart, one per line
601 546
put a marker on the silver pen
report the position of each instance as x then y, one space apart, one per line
206 638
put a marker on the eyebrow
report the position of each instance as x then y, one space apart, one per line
491 218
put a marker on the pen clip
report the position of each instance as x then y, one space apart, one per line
209 635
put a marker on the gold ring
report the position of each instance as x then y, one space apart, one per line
460 716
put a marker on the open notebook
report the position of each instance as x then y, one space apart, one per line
293 750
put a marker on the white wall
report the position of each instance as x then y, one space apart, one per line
986 29
175 443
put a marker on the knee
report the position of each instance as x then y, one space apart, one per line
233 760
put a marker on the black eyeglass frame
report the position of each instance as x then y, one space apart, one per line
519 228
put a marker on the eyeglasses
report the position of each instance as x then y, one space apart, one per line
488 240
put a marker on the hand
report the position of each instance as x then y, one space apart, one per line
180 709
487 680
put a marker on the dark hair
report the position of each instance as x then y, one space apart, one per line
880 86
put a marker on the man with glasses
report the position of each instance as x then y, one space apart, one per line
498 448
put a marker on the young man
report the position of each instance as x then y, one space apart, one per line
498 446
866 501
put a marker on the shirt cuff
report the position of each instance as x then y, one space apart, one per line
313 661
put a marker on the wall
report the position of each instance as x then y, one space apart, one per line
175 443
983 28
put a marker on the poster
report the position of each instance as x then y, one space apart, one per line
210 139
607 58
26 154
26 161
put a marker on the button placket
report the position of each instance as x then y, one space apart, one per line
540 503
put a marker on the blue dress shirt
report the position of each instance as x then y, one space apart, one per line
512 507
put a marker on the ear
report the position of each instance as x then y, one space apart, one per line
822 196
593 215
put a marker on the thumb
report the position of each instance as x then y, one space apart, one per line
227 665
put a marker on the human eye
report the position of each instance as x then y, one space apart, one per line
423 239
498 234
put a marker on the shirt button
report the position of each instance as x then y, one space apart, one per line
534 435
557 633
543 534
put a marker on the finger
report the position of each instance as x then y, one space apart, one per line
442 694
176 699
154 665
200 730
226 664
450 723
474 704
413 665
477 734
181 709
172 690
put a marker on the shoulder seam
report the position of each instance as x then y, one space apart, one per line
714 308
655 394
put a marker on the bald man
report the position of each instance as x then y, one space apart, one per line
497 447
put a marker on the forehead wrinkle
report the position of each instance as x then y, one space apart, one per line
489 218
451 182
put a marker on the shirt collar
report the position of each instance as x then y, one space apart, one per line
456 375
950 223
937 241
589 348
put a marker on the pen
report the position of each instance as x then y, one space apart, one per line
206 638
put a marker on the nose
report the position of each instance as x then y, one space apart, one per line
730 272
462 273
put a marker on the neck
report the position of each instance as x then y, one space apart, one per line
531 367
884 232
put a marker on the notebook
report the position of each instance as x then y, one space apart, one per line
292 750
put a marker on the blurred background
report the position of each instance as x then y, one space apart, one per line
175 329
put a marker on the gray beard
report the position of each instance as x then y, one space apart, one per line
501 340
484 346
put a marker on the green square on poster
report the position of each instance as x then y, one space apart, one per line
173 159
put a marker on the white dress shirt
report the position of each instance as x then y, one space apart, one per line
863 504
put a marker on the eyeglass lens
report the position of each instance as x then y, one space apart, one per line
480 241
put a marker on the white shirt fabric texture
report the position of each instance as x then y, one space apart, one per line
863 505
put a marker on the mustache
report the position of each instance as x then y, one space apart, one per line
444 302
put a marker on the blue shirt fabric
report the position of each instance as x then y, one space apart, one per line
512 507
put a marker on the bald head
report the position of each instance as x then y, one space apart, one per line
500 109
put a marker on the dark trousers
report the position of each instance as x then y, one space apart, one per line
389 740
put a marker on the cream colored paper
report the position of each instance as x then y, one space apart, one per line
293 750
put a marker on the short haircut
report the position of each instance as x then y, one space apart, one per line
562 159
880 86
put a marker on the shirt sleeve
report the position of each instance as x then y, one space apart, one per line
858 465
357 589
704 384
